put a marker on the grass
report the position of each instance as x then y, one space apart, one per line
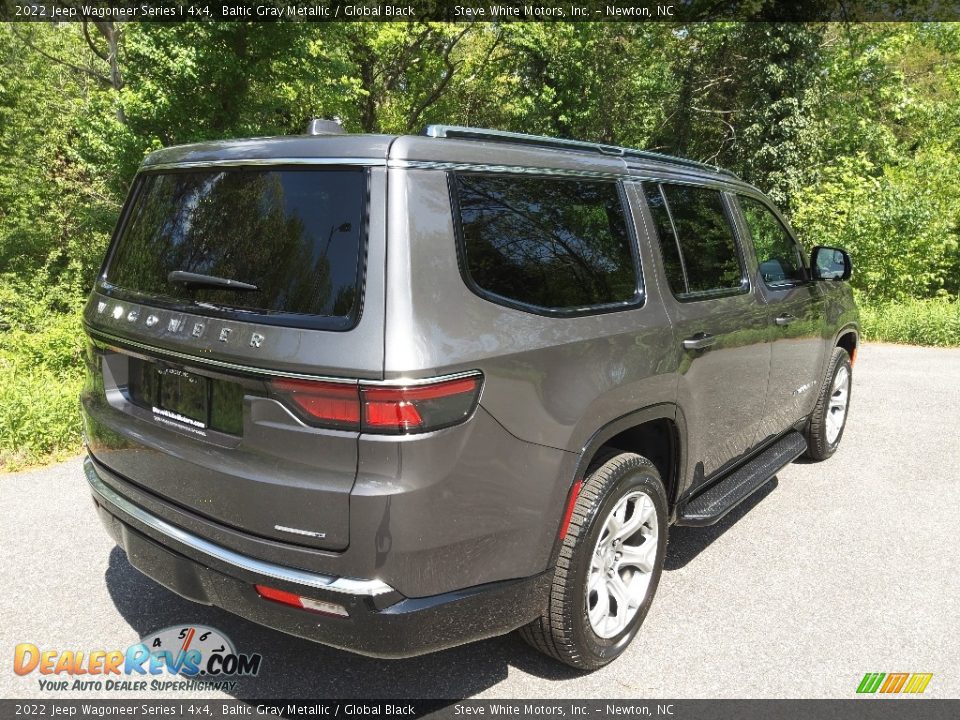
933 322
41 371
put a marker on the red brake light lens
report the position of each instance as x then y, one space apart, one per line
335 405
382 409
419 408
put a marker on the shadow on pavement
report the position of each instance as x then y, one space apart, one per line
295 668
688 542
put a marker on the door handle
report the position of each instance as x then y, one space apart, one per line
785 319
700 341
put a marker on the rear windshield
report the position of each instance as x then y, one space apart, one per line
296 235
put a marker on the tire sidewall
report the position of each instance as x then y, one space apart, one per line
842 360
604 650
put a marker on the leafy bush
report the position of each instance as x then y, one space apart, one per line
916 322
42 376
853 129
899 225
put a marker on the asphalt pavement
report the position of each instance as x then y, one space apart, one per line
831 571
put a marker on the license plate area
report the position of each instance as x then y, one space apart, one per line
184 395
190 399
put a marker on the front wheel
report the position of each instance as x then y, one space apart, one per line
829 417
609 565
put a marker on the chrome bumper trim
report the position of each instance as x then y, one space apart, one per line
347 586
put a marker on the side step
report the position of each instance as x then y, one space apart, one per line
724 495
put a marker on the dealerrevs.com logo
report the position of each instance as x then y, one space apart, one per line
199 657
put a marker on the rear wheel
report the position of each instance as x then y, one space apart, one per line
829 417
609 565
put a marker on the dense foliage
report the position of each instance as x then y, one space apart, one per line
854 129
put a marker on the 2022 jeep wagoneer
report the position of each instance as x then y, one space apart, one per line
398 393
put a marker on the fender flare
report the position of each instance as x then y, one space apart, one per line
661 411
848 327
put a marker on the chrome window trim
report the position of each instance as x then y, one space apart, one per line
259 162
346 586
627 174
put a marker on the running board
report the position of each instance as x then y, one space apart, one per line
721 497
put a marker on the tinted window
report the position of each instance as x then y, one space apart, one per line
669 249
777 253
696 239
295 234
558 244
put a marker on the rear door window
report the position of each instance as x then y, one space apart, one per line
294 234
697 242
559 245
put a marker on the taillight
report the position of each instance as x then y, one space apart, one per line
333 405
426 406
421 407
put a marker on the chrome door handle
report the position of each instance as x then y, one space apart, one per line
785 319
700 341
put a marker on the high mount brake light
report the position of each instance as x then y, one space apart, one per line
382 408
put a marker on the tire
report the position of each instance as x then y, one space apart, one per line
617 481
829 420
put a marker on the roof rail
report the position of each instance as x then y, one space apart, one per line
470 133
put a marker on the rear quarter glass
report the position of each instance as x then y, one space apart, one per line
297 234
556 246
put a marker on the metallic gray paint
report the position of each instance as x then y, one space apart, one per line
550 381
280 472
119 504
482 501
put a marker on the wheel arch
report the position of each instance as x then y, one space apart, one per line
848 337
634 432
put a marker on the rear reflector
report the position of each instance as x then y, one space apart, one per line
298 601
571 504
381 408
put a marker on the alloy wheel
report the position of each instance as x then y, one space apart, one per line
622 563
837 408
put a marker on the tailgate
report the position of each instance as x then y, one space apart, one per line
180 397
221 446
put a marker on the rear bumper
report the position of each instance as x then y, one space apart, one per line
380 621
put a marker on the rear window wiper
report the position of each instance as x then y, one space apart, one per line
181 277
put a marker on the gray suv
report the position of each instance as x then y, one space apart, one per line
398 393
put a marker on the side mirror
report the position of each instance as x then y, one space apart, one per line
830 263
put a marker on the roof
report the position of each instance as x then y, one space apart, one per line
441 146
292 148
